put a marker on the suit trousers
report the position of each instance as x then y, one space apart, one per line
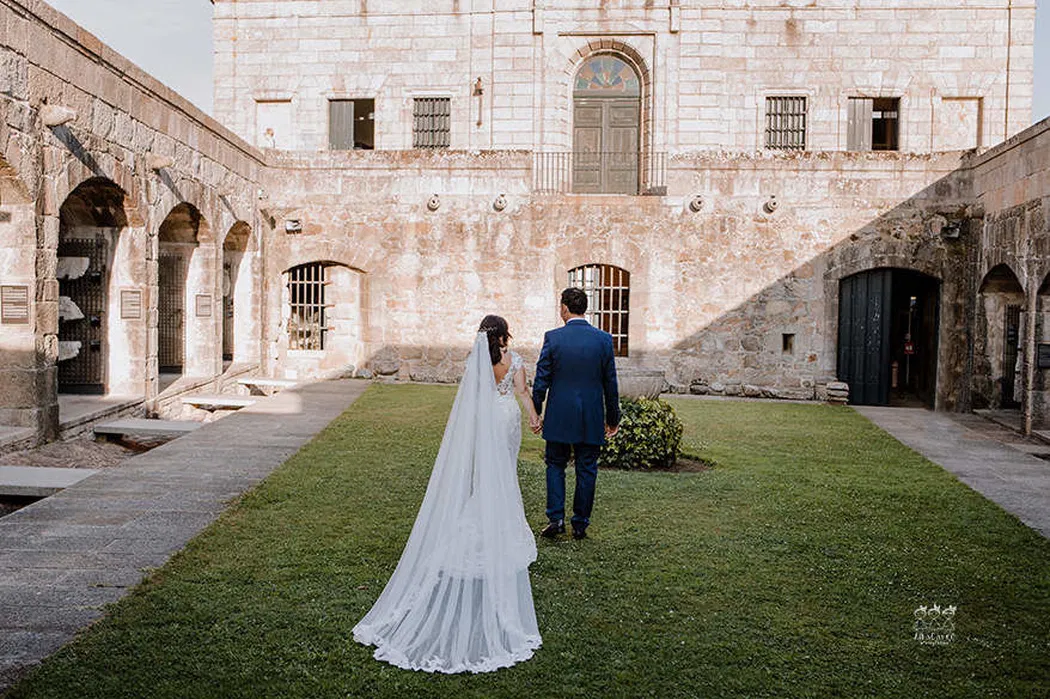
557 458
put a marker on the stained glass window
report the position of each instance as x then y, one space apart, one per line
605 74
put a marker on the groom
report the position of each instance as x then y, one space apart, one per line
577 367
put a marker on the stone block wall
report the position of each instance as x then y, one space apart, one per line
126 124
962 70
712 292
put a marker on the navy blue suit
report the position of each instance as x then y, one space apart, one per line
576 375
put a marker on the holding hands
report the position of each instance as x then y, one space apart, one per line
536 423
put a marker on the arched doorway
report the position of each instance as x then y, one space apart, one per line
185 303
1001 300
91 221
888 337
607 102
234 291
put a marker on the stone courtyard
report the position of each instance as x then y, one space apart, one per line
760 201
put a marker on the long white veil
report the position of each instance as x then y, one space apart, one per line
459 599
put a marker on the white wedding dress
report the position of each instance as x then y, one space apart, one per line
460 599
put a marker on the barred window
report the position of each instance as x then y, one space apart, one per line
431 122
608 292
786 123
307 327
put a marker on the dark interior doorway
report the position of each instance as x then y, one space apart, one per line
887 350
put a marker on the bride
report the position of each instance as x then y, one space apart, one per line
460 599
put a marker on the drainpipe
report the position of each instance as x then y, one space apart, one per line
1029 341
1009 50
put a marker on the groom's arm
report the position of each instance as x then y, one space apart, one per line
543 376
610 386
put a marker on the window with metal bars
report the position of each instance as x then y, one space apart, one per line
786 123
431 122
307 322
608 290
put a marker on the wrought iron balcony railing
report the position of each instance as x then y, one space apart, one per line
600 173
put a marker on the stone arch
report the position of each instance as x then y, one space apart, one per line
188 310
239 295
888 327
632 57
102 280
998 339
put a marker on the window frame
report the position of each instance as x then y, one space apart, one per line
329 99
608 305
769 98
317 283
415 103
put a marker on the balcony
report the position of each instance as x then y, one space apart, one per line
600 173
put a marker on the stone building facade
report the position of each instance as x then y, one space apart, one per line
760 199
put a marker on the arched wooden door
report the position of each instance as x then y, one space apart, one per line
606 126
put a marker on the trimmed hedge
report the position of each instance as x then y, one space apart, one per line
649 437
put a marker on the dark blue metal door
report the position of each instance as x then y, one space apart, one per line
864 336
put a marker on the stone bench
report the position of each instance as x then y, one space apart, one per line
213 402
139 427
34 481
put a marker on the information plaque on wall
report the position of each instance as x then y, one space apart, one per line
203 305
14 304
131 304
1043 355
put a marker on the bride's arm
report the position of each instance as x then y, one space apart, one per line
522 389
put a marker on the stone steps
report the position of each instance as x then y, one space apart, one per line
38 481
139 427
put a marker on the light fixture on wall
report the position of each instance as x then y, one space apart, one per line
56 115
155 161
771 204
434 203
293 225
696 204
501 202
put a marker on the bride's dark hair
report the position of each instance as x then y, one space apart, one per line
498 333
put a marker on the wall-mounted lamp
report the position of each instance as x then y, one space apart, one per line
293 225
771 204
434 203
696 204
56 115
501 202
478 89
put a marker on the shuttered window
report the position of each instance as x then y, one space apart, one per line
431 122
786 123
608 290
351 124
873 124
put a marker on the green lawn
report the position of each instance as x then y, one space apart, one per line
790 569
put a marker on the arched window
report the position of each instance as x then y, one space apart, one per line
608 290
307 321
606 126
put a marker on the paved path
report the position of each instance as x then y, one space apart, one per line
64 557
999 470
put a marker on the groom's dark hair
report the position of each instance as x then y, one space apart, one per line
575 300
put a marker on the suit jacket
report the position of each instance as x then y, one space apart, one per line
576 374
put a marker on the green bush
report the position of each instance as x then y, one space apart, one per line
649 436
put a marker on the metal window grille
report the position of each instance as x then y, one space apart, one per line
786 123
608 292
431 122
307 327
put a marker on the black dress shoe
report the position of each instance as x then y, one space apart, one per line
579 533
553 530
